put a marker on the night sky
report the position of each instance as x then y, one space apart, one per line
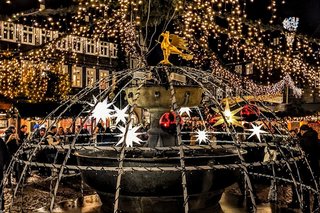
307 10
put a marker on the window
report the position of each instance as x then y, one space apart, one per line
113 50
45 36
9 31
104 81
91 77
249 69
91 47
77 45
276 41
55 34
27 35
62 44
238 69
104 49
64 68
76 76
37 33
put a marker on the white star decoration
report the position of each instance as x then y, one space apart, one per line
102 110
256 131
120 114
131 135
185 110
202 136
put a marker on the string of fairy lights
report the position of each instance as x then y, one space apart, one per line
225 23
273 89
257 45
26 80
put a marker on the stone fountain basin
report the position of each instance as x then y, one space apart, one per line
150 97
159 189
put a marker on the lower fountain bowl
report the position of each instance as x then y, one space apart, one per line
160 191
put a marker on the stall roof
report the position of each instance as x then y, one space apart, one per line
4 106
43 109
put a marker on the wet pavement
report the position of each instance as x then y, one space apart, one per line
36 195
234 204
229 203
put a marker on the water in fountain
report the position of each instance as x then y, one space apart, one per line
163 172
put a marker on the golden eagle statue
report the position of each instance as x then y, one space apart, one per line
171 44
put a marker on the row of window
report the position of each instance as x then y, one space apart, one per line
91 75
248 69
36 36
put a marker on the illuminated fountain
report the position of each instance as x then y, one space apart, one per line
166 173
153 181
162 175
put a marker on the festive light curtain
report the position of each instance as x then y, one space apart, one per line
26 80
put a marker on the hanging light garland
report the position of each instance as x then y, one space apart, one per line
273 89
237 38
34 84
9 78
26 80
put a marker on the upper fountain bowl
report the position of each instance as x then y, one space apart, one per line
159 97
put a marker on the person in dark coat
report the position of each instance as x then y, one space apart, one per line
51 152
4 160
309 144
83 136
99 131
12 141
23 134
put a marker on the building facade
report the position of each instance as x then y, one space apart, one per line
96 59
86 60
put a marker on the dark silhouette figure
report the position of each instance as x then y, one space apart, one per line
4 160
309 144
99 131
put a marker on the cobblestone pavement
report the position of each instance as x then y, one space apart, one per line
232 200
36 195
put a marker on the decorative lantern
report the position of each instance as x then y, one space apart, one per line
250 113
168 121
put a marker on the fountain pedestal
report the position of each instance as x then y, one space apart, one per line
157 137
157 100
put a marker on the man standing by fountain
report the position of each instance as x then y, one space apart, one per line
309 144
